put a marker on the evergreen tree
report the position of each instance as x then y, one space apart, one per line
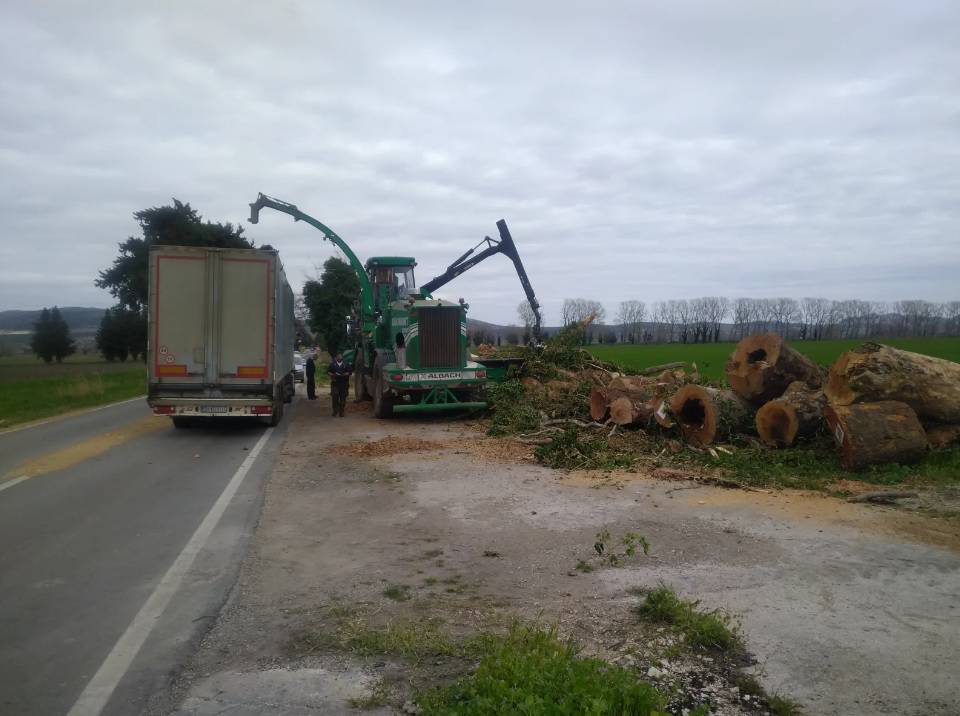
51 338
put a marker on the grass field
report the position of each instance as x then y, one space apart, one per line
30 389
711 357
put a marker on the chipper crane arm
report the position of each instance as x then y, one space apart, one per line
470 259
366 290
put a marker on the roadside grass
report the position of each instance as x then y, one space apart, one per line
530 670
26 399
814 465
398 593
528 667
711 630
711 357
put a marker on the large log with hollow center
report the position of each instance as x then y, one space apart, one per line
707 414
873 433
874 372
795 414
763 365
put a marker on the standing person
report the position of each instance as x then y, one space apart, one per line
340 372
311 371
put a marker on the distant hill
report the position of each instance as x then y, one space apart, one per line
80 319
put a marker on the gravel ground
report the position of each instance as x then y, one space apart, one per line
848 609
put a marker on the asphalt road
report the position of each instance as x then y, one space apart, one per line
107 503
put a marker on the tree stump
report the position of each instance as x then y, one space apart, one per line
707 414
873 433
797 413
874 372
763 365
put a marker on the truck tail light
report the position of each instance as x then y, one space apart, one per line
397 377
481 374
261 410
163 410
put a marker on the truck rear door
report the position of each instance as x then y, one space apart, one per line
179 321
245 302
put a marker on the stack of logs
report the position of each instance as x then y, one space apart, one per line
881 404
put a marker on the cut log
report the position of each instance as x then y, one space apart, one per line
599 404
632 411
763 365
663 416
660 368
873 433
941 436
797 413
873 372
629 383
707 414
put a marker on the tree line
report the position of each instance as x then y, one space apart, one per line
710 319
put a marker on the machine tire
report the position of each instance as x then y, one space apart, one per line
360 391
289 388
181 421
382 403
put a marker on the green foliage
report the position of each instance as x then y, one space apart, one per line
177 225
576 450
711 630
122 334
51 337
329 301
814 465
532 671
514 410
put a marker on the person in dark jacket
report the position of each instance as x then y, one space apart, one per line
340 372
311 370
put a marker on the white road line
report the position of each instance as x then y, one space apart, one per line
71 414
14 481
97 693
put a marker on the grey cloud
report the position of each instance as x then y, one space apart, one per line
638 150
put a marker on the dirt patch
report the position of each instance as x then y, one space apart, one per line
844 616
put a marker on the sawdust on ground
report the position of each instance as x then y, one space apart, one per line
486 448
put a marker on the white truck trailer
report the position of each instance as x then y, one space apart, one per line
220 334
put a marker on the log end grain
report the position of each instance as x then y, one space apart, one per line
778 424
599 404
763 365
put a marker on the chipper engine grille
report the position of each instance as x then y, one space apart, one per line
439 332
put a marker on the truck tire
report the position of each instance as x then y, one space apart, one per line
382 403
289 388
277 414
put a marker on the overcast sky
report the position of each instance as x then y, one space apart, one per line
637 149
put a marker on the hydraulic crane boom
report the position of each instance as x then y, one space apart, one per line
504 246
366 290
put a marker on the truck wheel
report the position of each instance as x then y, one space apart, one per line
382 403
181 421
277 411
289 388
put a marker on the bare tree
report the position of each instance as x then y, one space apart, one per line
631 315
527 317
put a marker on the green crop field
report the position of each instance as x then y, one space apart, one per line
711 357
31 389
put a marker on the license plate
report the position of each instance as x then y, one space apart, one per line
213 409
